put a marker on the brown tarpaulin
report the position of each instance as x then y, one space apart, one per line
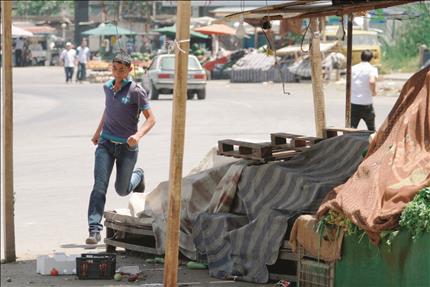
396 167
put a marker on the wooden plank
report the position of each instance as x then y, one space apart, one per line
348 73
230 142
183 16
334 132
128 229
7 134
129 246
287 254
283 155
317 83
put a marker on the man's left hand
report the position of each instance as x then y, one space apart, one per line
133 140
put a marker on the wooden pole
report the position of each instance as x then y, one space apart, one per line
317 84
348 73
183 16
7 133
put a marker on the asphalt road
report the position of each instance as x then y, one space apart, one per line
53 154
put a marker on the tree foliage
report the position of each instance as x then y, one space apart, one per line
43 7
414 33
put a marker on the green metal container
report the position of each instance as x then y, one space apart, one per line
406 263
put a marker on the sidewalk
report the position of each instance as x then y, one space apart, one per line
23 273
396 77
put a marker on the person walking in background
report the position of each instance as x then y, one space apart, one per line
117 138
19 48
83 56
68 57
363 89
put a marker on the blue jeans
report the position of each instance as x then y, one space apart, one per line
107 153
69 73
81 75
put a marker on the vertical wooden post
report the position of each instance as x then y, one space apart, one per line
317 84
7 133
348 73
183 16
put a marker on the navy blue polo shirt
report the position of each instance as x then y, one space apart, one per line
122 110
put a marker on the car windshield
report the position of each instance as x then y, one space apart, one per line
370 40
359 40
168 63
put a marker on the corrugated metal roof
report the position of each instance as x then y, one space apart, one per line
314 8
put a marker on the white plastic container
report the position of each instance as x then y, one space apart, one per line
65 264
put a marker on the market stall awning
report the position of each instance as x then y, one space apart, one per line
170 31
108 30
19 32
293 49
216 29
40 29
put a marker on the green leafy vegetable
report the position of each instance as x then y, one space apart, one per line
416 216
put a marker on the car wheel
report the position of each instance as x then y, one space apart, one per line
154 93
190 95
201 94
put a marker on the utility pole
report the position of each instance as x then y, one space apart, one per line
348 72
183 16
317 85
7 134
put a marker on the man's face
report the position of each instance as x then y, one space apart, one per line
120 71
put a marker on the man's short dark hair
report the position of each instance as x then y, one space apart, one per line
122 58
366 56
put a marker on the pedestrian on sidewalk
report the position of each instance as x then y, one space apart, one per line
68 58
19 49
83 56
117 137
363 89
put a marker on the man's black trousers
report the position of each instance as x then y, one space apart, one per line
365 112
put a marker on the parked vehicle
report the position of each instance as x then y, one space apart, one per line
361 40
159 77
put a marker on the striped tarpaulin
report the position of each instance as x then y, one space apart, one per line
269 197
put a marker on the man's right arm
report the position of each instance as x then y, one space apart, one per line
372 84
96 136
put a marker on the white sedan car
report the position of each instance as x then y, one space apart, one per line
159 77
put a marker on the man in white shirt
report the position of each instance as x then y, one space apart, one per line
83 57
363 89
67 57
19 48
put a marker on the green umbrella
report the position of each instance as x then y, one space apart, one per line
171 32
107 30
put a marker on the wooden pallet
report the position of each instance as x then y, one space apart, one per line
259 152
248 150
334 132
129 232
293 140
